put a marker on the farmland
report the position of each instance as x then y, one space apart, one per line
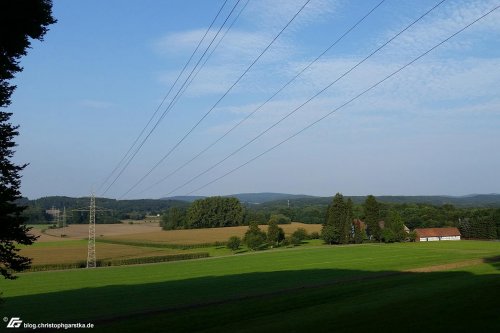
148 238
325 287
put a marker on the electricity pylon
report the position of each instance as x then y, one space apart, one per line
91 256
91 261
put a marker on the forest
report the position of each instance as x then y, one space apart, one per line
475 218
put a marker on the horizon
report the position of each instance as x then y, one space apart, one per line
280 193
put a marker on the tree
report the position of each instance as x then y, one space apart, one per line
359 233
340 217
215 212
19 21
395 224
234 243
372 216
275 234
254 237
330 234
280 219
175 218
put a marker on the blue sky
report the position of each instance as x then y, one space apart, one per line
88 90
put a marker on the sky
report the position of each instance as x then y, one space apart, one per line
89 89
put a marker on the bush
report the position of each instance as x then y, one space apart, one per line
300 234
254 237
388 236
314 235
330 234
412 235
234 243
275 234
294 240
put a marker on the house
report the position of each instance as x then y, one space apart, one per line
437 234
360 224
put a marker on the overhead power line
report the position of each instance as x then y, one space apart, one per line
308 100
346 103
174 99
216 103
266 101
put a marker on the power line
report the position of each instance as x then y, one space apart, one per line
174 100
268 100
308 100
348 102
216 103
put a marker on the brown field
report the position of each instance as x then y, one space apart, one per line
198 236
54 249
81 231
153 233
71 252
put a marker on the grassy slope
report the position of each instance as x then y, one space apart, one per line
93 294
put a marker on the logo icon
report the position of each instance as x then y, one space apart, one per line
15 322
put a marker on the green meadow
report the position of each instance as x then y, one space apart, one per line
452 286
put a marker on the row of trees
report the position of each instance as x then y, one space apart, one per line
340 226
256 239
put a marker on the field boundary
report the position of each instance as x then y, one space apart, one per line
120 262
161 245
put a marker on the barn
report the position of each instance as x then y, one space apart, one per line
437 234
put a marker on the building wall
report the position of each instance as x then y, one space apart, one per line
434 239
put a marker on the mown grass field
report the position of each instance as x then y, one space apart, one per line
383 287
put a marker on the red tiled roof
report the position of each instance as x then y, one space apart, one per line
437 232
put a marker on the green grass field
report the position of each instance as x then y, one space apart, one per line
326 288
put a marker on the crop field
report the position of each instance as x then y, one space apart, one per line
441 286
210 235
51 248
153 233
75 251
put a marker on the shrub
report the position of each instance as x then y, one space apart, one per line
274 233
300 234
254 237
314 235
412 235
234 243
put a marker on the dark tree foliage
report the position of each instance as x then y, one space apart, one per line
394 228
280 219
330 234
340 217
372 216
299 235
254 237
19 21
175 218
215 212
234 243
275 234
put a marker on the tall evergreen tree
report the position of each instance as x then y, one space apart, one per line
339 219
372 216
19 21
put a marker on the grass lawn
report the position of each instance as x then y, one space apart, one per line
330 288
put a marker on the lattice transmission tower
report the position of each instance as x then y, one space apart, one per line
91 256
91 259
